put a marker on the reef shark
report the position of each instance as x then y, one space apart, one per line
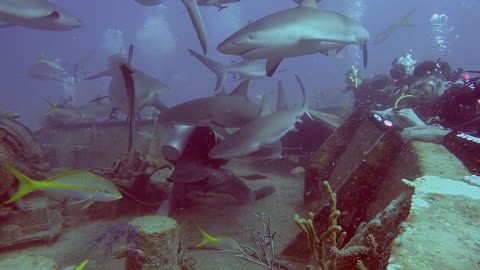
248 69
36 14
387 32
263 131
217 112
298 31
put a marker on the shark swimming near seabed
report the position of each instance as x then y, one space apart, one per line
298 31
36 14
248 69
387 32
261 132
217 112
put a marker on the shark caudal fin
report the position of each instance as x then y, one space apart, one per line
405 22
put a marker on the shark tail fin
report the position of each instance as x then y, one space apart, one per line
405 22
215 67
27 185
206 238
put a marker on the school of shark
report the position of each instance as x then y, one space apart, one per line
166 158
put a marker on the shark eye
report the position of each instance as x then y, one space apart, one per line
106 190
251 36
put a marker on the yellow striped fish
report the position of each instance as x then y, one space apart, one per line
77 184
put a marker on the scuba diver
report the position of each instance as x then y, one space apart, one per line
196 171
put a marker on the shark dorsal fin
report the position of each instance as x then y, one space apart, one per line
309 3
265 107
241 90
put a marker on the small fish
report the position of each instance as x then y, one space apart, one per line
55 63
82 185
82 265
219 242
297 171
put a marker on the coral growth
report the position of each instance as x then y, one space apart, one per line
318 244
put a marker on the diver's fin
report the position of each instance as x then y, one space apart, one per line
272 65
26 186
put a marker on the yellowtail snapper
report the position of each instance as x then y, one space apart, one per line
82 185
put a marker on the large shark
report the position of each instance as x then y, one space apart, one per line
263 131
248 69
299 31
36 14
217 112
147 88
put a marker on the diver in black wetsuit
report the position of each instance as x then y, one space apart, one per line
196 171
460 104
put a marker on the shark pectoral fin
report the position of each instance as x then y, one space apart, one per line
272 65
214 66
219 130
365 54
